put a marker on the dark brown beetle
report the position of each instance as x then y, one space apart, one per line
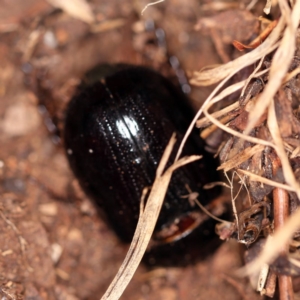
116 130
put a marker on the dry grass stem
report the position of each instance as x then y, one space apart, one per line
264 180
198 114
279 147
253 75
296 152
207 212
209 130
233 198
212 76
146 224
210 101
236 133
235 161
290 75
280 62
205 122
150 4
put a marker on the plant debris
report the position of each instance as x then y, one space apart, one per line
264 129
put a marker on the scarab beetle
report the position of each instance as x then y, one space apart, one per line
116 130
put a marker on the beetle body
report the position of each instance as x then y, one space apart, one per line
116 130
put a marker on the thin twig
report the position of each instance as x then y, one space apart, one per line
150 4
146 223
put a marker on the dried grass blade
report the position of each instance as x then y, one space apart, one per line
280 150
205 122
211 76
240 158
234 132
290 75
146 224
210 101
227 91
264 180
280 64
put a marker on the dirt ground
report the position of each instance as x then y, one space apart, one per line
53 244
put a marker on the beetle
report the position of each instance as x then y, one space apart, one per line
117 126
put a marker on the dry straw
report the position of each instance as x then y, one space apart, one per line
146 223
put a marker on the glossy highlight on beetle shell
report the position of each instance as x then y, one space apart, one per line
116 130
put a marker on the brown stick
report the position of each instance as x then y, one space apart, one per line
281 212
